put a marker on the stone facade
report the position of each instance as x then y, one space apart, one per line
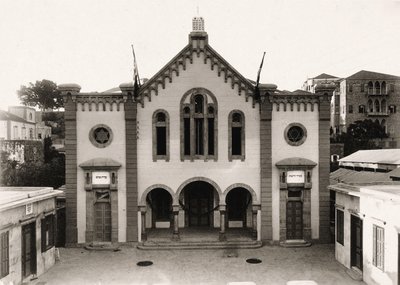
374 96
190 147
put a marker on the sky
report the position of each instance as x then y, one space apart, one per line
88 42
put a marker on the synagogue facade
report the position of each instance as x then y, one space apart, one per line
197 147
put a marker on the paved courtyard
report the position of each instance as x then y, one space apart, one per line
279 265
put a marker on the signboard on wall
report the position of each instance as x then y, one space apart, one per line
101 178
295 176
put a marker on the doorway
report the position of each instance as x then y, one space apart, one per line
294 220
237 203
28 249
356 243
199 200
102 213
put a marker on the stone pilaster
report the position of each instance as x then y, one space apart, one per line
266 167
130 108
324 92
69 92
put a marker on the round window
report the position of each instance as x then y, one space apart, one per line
100 136
295 134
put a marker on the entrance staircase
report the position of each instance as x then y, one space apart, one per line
198 238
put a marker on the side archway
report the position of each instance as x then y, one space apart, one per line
254 197
142 201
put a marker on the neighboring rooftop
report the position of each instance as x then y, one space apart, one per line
324 76
14 196
343 175
370 75
372 158
7 116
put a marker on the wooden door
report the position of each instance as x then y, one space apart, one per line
102 211
356 242
28 249
199 208
294 220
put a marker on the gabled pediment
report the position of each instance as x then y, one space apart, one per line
185 56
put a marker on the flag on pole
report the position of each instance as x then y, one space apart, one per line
257 90
136 79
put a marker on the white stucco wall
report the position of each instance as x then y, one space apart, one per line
115 120
381 210
345 203
174 172
281 150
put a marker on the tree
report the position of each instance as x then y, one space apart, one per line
361 135
43 94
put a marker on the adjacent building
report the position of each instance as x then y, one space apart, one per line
367 230
197 147
27 232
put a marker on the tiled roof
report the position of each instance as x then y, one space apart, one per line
296 92
364 74
6 116
382 156
324 75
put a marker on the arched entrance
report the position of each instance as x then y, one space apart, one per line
199 199
159 203
238 206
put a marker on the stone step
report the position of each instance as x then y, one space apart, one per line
148 245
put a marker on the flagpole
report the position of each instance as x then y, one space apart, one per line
257 91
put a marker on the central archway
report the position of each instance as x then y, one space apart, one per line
199 199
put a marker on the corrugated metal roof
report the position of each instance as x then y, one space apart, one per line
382 156
343 175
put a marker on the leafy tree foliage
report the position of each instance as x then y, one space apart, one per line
51 173
43 94
361 135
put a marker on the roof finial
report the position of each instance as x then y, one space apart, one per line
198 24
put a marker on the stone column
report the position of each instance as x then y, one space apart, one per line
175 210
142 210
222 210
254 220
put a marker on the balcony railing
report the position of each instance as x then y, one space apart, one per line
378 114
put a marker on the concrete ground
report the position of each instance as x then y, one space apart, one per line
279 265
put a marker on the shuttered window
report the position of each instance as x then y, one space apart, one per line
378 251
339 227
4 254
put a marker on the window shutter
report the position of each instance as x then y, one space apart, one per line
374 246
43 234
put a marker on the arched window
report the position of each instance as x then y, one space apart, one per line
377 106
198 125
370 106
377 88
370 88
160 135
361 109
236 135
383 88
383 106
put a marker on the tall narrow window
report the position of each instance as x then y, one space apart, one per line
377 88
340 227
370 88
4 254
378 250
160 135
236 135
198 125
186 130
47 230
